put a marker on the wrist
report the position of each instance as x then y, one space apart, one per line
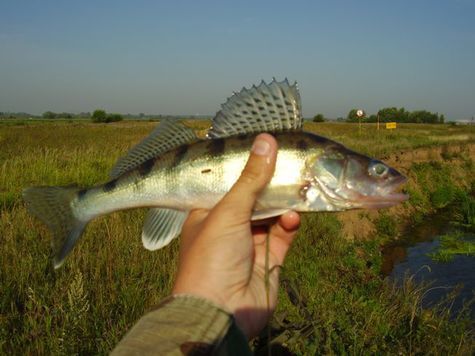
199 297
203 293
243 318
239 320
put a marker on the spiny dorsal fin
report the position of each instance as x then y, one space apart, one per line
167 135
268 107
161 227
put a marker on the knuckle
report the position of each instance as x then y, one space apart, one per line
251 174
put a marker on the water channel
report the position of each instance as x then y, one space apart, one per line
409 256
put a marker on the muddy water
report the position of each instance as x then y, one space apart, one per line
408 256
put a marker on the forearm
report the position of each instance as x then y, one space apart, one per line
183 325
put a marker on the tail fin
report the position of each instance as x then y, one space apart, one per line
52 205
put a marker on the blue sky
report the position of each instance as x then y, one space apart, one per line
186 57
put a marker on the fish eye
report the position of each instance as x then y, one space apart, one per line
378 170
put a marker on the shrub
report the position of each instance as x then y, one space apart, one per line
102 116
442 196
386 226
99 116
114 118
318 118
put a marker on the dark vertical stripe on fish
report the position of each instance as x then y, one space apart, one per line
146 167
315 138
109 186
180 153
302 144
216 147
82 193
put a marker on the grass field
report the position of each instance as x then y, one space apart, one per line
333 298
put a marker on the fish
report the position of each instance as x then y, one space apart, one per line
173 171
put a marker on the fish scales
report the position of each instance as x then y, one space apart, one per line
197 177
172 172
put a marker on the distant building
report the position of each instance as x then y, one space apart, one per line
465 122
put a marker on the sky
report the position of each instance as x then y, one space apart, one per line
186 57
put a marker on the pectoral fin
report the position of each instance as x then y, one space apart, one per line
161 227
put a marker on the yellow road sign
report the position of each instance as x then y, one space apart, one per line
390 125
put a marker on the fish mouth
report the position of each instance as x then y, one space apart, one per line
387 199
382 201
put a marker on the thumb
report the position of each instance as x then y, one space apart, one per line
256 175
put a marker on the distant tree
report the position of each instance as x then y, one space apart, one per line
114 117
401 115
352 117
318 118
388 114
49 115
65 115
99 115
371 118
424 116
393 114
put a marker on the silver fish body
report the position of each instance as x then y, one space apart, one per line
172 172
197 175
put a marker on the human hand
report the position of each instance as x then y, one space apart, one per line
222 256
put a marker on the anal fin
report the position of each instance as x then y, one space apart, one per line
268 213
161 227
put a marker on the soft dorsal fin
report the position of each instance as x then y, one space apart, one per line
167 135
269 107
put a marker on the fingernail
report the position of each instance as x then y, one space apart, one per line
261 147
292 214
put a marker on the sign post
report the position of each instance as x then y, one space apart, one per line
360 114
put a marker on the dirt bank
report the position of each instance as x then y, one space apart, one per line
404 159
360 224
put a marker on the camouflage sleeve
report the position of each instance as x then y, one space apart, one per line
184 325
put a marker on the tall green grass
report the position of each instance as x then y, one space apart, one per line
333 299
453 244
